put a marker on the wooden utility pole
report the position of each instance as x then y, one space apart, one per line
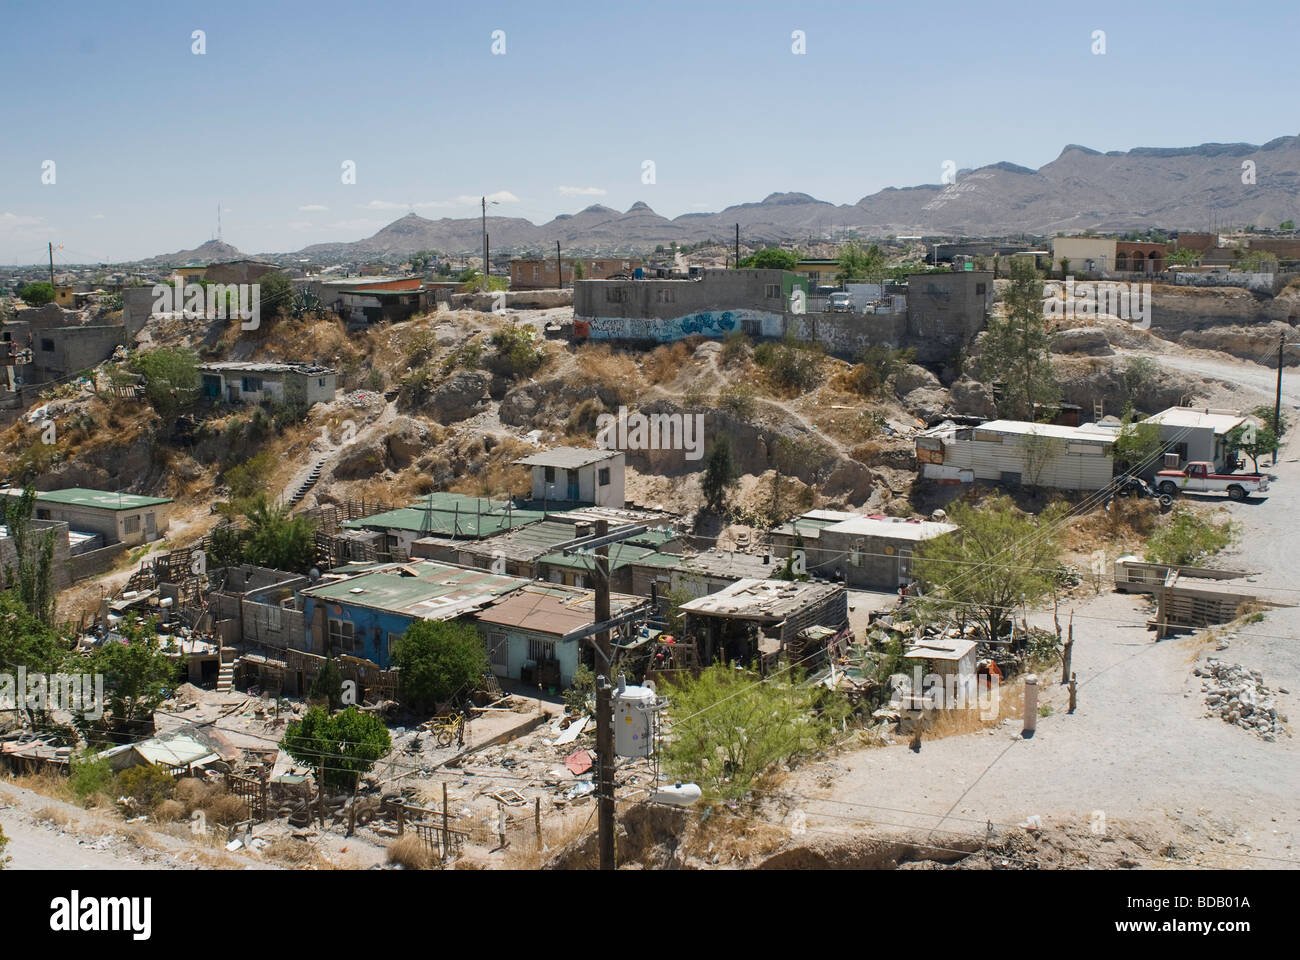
485 249
446 839
737 246
559 265
1067 655
604 709
1277 402
52 273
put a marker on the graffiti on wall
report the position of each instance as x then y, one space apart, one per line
706 323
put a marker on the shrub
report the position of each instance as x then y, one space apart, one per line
1186 538
147 785
791 365
517 353
735 348
90 775
580 691
410 853
738 399
439 660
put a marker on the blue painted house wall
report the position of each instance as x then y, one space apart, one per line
370 628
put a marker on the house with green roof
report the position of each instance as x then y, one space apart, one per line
445 520
120 517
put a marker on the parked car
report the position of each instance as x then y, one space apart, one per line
839 303
1199 476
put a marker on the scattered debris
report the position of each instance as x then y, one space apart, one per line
1239 696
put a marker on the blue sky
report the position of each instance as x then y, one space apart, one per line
148 138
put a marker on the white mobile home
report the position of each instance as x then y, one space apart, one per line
1015 452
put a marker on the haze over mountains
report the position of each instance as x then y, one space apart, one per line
1184 188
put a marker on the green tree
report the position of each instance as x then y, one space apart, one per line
34 554
275 295
1015 350
731 728
225 547
277 540
1183 257
138 676
996 559
1254 441
720 475
857 263
26 640
171 378
37 294
1137 445
340 747
329 684
579 270
439 660
1286 226
771 258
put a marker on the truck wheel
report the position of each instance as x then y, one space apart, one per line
1236 492
1169 488
1166 503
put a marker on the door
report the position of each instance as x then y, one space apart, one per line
150 527
499 654
904 567
573 484
1196 477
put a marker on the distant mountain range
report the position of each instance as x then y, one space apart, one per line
1172 188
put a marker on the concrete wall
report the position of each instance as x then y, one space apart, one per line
946 310
94 562
61 570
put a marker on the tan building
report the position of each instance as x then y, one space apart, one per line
1086 255
120 517
539 273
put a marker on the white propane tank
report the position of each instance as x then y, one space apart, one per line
633 722
679 794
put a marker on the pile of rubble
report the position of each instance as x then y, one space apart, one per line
1239 696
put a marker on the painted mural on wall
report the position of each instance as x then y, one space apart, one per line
706 323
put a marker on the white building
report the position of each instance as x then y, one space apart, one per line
576 475
1196 434
240 381
1015 452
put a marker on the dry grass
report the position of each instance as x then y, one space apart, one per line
664 363
294 853
956 723
600 365
411 853
169 811
53 815
47 785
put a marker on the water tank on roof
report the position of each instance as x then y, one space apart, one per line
634 710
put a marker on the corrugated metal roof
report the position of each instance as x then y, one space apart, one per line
568 458
551 608
437 591
767 600
101 499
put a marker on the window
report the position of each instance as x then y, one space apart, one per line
772 291
47 345
540 651
392 643
320 382
665 296
341 635
751 326
604 476
42 514
131 525
252 384
549 474
980 288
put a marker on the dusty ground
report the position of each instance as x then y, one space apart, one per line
1139 754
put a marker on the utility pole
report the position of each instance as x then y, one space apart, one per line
1277 402
485 247
559 264
598 544
737 246
604 709
51 263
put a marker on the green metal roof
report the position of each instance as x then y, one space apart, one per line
437 591
451 515
102 499
620 555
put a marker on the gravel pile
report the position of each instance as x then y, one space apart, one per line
1239 696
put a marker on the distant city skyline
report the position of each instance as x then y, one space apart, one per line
148 138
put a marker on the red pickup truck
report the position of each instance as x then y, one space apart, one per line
1200 476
